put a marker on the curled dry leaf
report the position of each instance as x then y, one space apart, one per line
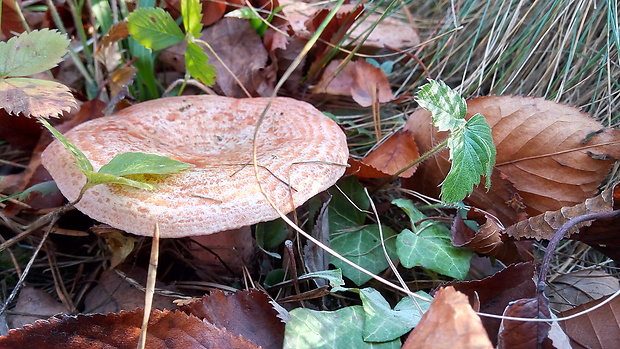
554 155
35 97
361 80
523 334
489 240
545 225
494 293
450 322
121 331
387 159
248 314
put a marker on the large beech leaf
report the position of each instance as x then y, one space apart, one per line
121 331
595 329
31 53
248 314
450 322
390 157
35 97
546 150
154 28
342 328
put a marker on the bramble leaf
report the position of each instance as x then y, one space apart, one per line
473 154
192 16
140 163
196 62
31 53
447 106
154 28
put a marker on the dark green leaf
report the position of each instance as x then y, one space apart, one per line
473 154
154 28
270 235
31 53
329 329
362 246
196 63
140 163
346 208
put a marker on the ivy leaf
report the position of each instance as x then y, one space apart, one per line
192 16
154 28
31 53
140 163
429 245
447 106
473 154
363 247
196 62
81 160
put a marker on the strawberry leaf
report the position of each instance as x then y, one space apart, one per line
31 53
154 28
192 16
197 65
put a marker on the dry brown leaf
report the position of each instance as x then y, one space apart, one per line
595 329
488 240
242 50
515 334
108 51
394 154
543 149
494 293
361 80
248 314
35 97
165 330
545 225
449 323
34 301
11 21
573 289
362 170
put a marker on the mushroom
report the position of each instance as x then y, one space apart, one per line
300 152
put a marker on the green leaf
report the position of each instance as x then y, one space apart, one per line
329 329
81 160
31 53
384 324
447 106
363 247
333 276
95 178
44 188
140 163
196 63
346 207
430 246
191 11
154 28
270 235
473 154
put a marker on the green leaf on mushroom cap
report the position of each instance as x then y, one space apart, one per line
140 163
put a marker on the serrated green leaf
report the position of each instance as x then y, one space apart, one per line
154 28
447 106
140 163
430 245
384 323
191 10
95 178
473 154
363 247
81 160
196 63
329 329
31 53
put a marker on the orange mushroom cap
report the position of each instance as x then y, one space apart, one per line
300 152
